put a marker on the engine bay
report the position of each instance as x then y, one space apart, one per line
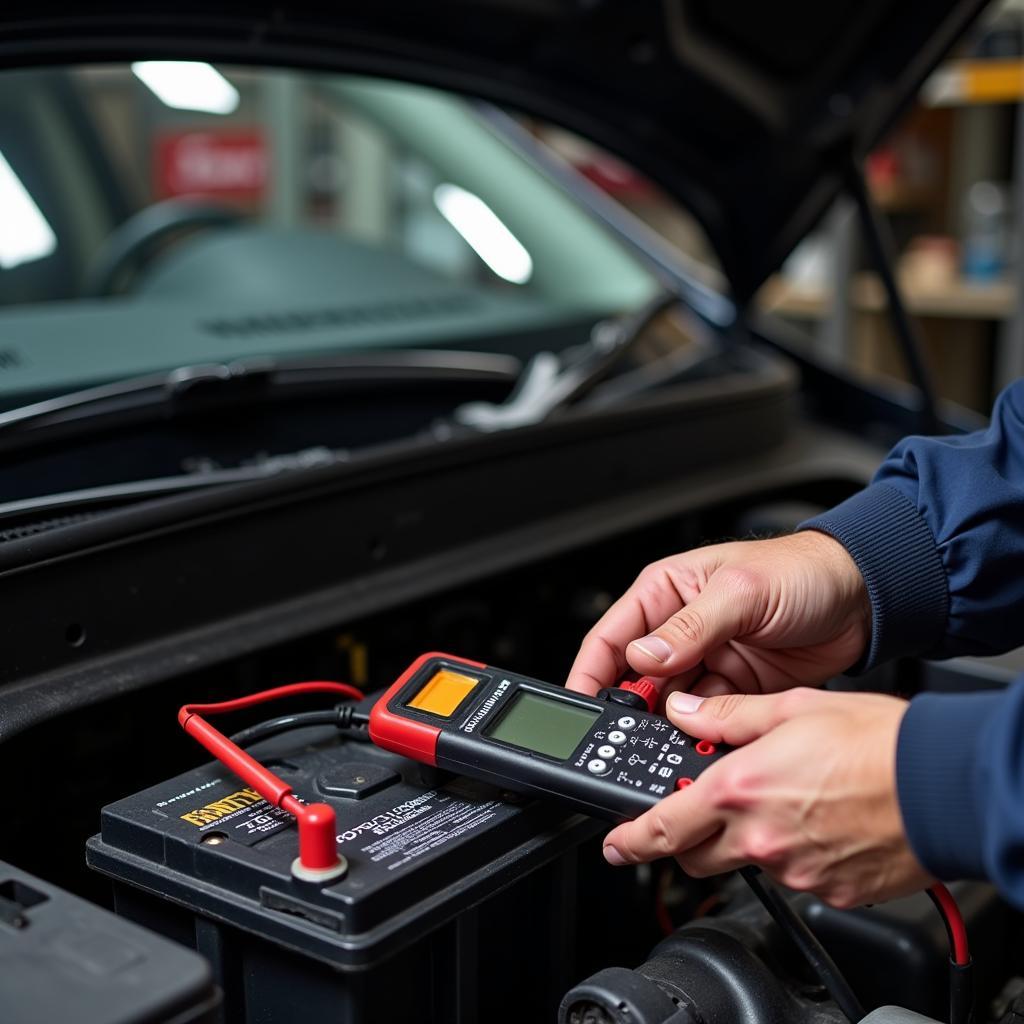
460 901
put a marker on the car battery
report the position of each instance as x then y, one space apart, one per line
457 904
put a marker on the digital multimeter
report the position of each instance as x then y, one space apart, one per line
610 757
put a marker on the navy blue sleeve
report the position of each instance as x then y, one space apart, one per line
939 539
960 776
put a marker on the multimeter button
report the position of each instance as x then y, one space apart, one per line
625 722
597 766
616 737
606 751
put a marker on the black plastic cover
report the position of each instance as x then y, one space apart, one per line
63 959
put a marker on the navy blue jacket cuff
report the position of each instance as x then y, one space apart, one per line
896 553
938 760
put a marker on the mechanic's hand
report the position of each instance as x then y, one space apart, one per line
752 616
810 796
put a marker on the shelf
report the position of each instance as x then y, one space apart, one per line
957 300
963 82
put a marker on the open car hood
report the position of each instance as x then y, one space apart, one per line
747 112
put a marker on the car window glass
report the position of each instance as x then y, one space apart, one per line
173 213
384 165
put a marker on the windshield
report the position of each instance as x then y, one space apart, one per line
163 214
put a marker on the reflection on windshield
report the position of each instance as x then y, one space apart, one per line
478 224
25 234
188 85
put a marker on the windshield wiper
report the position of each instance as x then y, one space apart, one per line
96 499
189 390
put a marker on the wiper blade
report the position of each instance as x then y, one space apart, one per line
98 498
191 389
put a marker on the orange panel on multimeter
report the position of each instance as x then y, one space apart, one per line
443 693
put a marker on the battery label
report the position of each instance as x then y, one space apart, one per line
240 813
416 827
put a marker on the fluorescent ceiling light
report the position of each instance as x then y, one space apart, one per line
486 235
188 85
25 234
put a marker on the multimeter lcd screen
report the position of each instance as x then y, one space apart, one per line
544 725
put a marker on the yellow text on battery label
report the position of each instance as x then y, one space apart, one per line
221 808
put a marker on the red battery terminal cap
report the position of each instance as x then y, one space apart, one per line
318 859
644 688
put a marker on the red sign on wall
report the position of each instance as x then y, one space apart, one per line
231 164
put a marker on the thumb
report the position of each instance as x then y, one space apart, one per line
738 718
722 611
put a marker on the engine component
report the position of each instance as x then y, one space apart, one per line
741 966
898 952
720 971
896 1015
63 959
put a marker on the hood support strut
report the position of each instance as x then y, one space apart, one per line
881 247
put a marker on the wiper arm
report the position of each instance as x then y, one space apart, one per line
552 382
188 390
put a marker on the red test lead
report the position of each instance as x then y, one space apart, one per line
318 858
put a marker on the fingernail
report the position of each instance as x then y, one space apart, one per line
684 703
614 857
654 647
